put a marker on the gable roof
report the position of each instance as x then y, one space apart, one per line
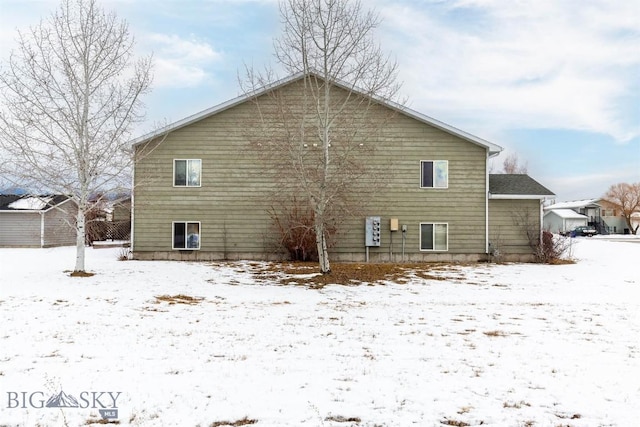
516 186
492 148
30 203
566 214
574 204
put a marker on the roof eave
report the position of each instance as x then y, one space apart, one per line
214 110
520 196
492 148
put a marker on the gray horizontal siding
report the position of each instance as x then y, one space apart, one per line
508 223
20 229
236 188
59 227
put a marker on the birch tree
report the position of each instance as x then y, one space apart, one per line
71 92
318 142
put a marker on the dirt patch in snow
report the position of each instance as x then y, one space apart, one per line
349 273
179 299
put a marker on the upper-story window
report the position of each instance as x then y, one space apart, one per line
186 172
434 174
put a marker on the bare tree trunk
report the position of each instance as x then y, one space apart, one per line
323 256
71 94
80 239
316 143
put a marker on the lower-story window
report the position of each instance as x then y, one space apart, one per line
434 236
186 235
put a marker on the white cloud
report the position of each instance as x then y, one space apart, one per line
544 64
179 62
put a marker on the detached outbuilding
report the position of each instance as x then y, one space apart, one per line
36 221
563 220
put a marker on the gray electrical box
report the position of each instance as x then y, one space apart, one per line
372 231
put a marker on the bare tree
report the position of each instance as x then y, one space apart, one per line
317 140
625 197
71 93
511 165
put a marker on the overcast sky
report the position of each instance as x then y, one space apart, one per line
555 81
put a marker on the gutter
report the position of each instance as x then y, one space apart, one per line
488 195
486 205
133 192
518 196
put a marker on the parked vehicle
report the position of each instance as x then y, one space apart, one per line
584 230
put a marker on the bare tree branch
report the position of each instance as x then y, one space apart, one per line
625 197
71 94
316 141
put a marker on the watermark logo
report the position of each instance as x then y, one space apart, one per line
62 400
106 402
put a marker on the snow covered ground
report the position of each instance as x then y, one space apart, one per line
492 345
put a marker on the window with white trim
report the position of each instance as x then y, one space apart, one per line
186 172
434 174
186 235
434 236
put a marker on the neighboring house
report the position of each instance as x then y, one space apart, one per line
119 219
613 218
598 213
563 220
635 220
120 210
200 193
36 221
109 220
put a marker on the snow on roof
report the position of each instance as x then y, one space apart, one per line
575 204
567 213
31 203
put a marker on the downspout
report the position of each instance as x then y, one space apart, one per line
486 204
486 200
133 187
541 218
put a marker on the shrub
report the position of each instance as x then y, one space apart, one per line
551 248
294 227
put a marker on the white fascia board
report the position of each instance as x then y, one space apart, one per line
58 205
518 196
215 109
35 210
493 149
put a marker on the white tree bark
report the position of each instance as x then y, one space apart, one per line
333 40
71 93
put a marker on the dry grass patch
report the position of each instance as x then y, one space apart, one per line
242 422
449 422
341 419
179 299
516 405
81 274
347 273
495 333
100 421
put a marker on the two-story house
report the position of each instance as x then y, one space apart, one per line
200 192
605 217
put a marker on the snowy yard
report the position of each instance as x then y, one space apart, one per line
492 345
